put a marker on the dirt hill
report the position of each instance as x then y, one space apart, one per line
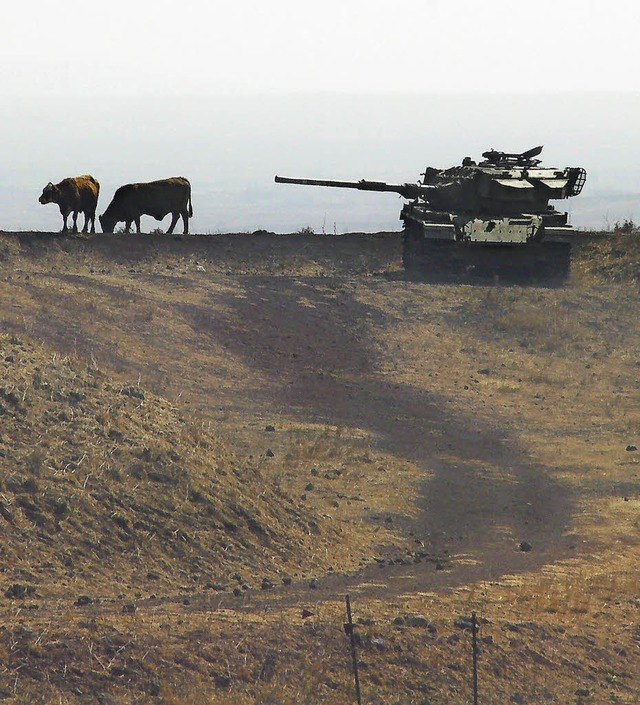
107 489
184 423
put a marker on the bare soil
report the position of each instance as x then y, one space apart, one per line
206 442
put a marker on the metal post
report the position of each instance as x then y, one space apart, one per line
474 638
348 627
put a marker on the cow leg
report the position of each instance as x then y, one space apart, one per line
174 220
93 223
138 225
185 220
127 226
85 228
75 222
65 214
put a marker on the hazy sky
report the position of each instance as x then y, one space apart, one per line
334 45
231 93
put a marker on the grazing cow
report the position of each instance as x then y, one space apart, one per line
156 198
76 194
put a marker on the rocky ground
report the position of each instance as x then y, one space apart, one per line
205 443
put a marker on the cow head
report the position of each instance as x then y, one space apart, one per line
48 193
107 223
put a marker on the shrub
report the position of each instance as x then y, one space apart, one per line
627 226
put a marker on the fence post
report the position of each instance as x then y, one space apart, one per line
474 641
348 627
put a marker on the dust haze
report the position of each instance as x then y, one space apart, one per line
231 146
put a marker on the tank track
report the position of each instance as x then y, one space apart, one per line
439 260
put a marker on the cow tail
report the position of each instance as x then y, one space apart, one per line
190 208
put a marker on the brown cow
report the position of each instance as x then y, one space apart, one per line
76 194
156 198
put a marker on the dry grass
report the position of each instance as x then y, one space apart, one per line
124 484
610 257
431 421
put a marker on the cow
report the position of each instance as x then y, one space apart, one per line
155 198
75 194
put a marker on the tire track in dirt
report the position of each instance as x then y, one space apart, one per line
313 344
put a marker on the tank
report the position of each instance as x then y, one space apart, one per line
487 218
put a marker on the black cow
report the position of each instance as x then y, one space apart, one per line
76 194
156 198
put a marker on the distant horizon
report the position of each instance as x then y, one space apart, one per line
231 149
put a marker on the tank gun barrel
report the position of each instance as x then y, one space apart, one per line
405 190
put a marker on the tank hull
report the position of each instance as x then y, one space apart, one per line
518 250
